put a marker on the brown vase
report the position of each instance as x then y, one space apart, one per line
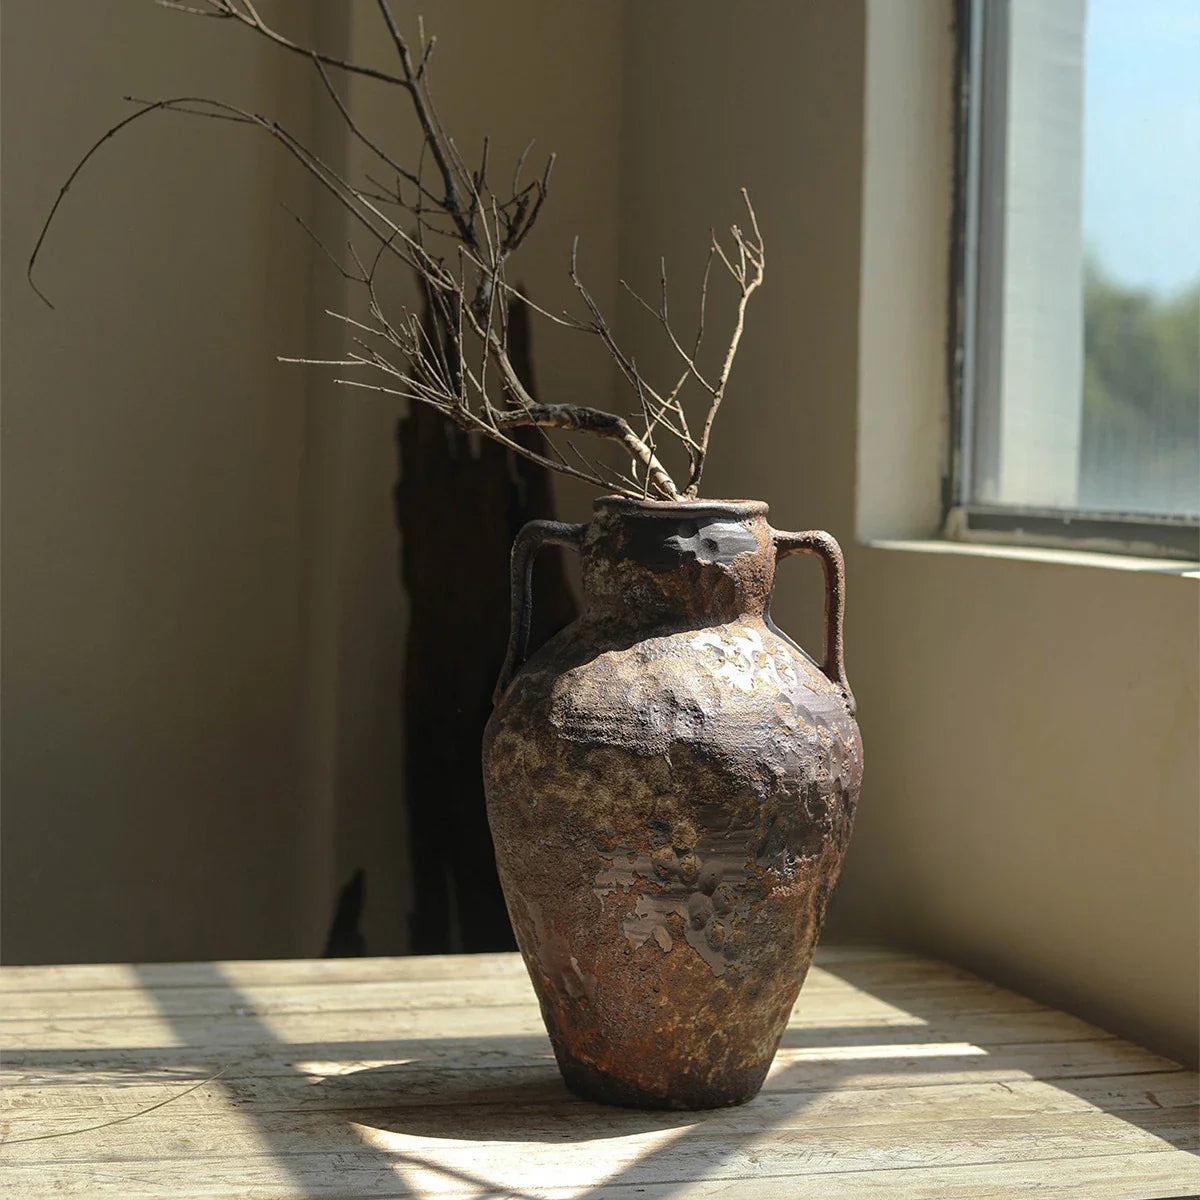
671 783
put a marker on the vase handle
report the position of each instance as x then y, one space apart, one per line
825 547
527 543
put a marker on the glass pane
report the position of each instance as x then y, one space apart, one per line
1140 445
1087 375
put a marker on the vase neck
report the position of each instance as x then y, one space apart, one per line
688 563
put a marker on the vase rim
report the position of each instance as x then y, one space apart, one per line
666 508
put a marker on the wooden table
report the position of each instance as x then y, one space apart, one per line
423 1077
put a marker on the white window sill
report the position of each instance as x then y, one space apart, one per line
1041 554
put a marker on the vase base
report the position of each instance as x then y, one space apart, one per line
686 1091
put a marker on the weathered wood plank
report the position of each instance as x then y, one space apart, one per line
454 1078
341 971
258 973
307 1150
863 969
822 994
1146 1176
1035 1036
484 1105
303 1018
905 985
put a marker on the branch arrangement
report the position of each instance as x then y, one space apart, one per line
443 220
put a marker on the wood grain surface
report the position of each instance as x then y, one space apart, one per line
428 1077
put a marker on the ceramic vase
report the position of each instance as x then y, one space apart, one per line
671 783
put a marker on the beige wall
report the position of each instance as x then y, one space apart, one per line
1030 803
151 480
1031 812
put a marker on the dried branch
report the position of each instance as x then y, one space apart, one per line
456 235
748 274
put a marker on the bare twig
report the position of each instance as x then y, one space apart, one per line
456 235
749 276
141 1112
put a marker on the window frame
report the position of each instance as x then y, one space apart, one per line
976 253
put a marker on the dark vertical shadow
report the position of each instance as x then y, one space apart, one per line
460 501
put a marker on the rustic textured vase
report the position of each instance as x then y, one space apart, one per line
671 783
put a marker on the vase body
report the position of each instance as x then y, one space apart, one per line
671 784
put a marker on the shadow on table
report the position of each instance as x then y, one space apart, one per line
329 1127
461 1108
1071 1059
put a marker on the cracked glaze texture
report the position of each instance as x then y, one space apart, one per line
671 784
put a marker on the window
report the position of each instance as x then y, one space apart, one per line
1077 414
